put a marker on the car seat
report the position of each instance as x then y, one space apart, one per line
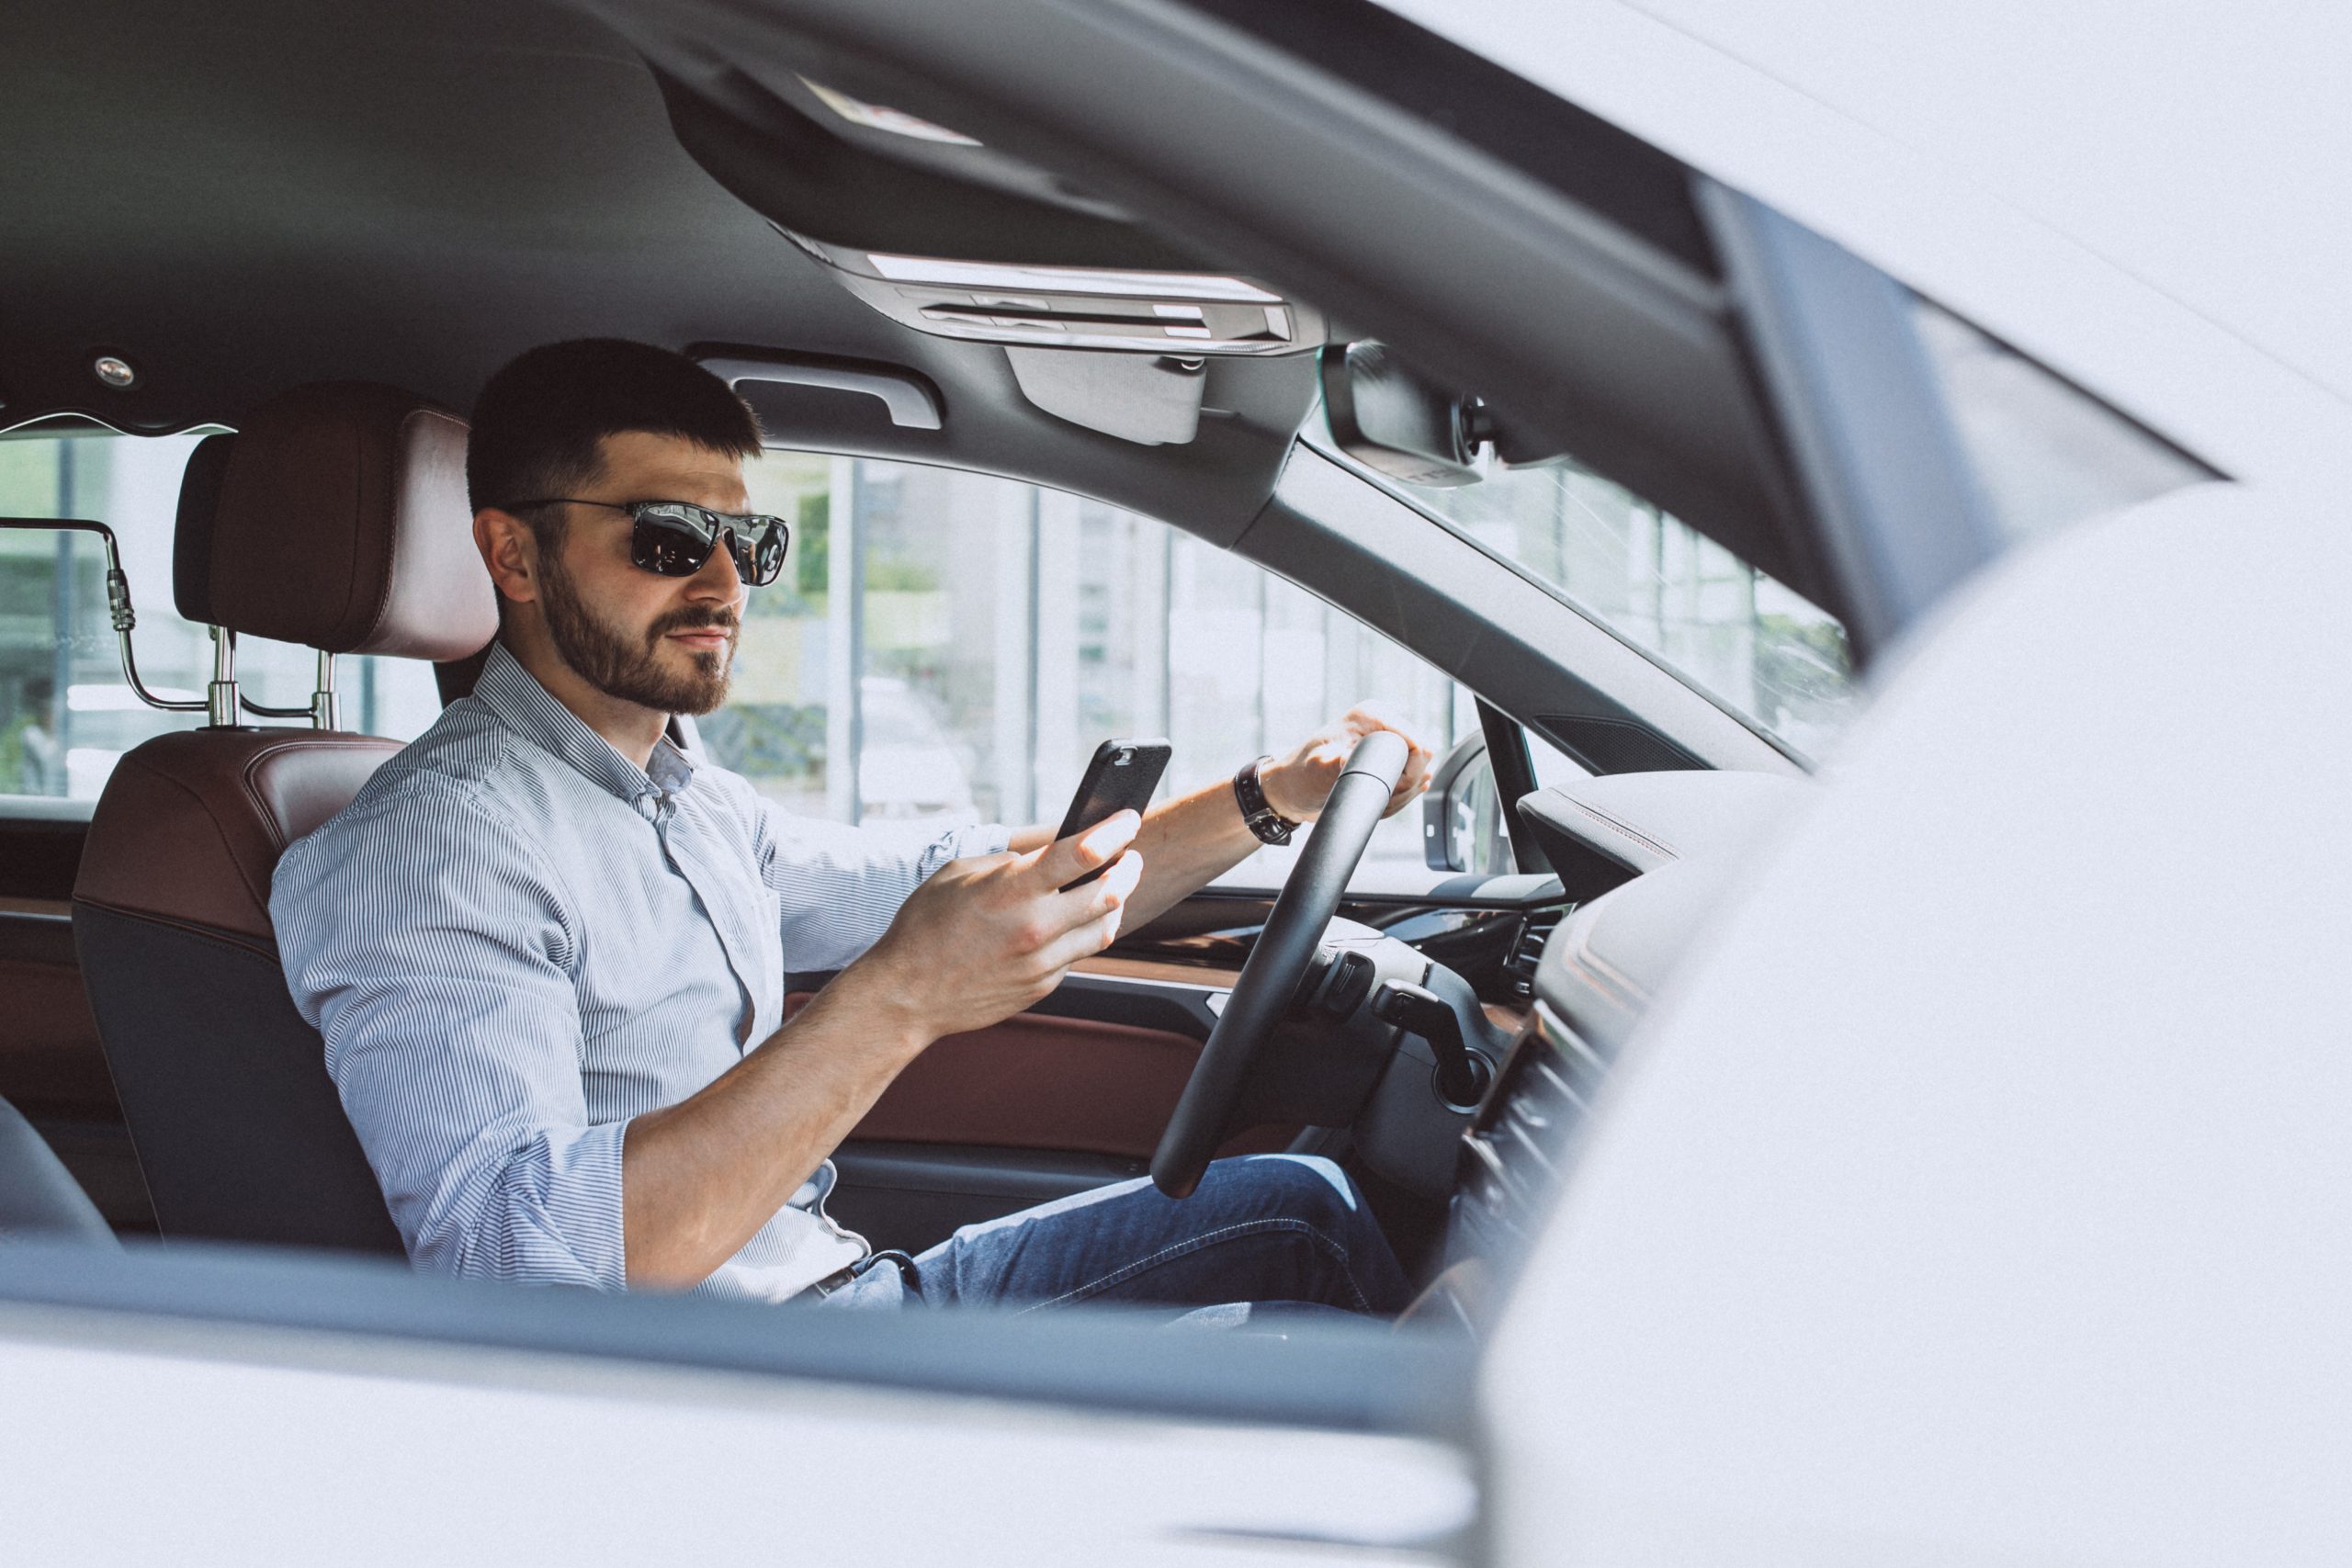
335 518
38 1197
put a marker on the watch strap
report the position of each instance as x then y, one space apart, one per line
1270 825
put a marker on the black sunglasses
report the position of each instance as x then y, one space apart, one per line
674 538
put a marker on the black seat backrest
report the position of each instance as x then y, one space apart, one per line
342 524
38 1197
223 1085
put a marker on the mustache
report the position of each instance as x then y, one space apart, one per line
692 619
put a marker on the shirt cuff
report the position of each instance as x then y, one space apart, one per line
963 843
586 1202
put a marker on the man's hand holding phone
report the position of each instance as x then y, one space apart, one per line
981 939
987 937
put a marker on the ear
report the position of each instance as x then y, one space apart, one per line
511 552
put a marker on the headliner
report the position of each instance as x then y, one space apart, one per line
276 191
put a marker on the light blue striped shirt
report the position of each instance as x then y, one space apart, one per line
514 939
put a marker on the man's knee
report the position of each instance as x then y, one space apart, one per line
1304 1187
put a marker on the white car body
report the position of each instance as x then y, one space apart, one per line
1979 1193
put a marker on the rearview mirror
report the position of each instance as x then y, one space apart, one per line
1387 418
1390 419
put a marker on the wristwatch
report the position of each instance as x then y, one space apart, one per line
1270 826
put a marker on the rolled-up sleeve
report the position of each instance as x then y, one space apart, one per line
840 886
432 949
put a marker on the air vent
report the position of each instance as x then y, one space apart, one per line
1527 948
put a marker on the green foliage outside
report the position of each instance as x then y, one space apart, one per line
1805 664
812 544
768 739
900 576
12 754
27 488
35 471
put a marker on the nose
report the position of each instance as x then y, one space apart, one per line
718 580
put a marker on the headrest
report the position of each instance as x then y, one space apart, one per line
343 524
192 532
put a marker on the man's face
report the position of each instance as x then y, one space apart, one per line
664 643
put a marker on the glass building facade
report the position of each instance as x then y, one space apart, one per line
943 644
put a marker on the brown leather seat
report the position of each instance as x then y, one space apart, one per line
341 524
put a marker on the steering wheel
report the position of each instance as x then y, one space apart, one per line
1278 961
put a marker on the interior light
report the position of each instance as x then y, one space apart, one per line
881 116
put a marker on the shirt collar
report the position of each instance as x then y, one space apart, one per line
515 696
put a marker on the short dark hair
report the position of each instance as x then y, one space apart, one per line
540 422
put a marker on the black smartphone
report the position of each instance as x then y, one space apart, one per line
1121 777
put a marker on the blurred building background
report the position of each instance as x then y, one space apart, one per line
941 644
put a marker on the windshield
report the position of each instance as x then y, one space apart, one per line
2047 454
1754 645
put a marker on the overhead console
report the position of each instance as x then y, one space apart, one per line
1180 313
1106 323
843 167
1124 352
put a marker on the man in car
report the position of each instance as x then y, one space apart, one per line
546 947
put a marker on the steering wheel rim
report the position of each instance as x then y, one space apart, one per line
1278 961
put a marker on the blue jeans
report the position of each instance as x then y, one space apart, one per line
1261 1228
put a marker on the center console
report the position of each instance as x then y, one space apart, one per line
1515 1151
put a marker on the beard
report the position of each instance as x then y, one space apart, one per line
630 668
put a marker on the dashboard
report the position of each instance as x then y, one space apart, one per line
1646 859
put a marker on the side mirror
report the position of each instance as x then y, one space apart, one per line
1462 825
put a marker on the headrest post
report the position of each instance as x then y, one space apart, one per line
221 696
325 712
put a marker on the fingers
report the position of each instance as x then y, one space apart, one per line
1367 717
1105 895
1111 890
1415 777
1066 859
1098 925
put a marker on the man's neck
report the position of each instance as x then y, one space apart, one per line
632 729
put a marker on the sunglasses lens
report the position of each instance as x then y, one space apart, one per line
768 557
674 540
669 544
